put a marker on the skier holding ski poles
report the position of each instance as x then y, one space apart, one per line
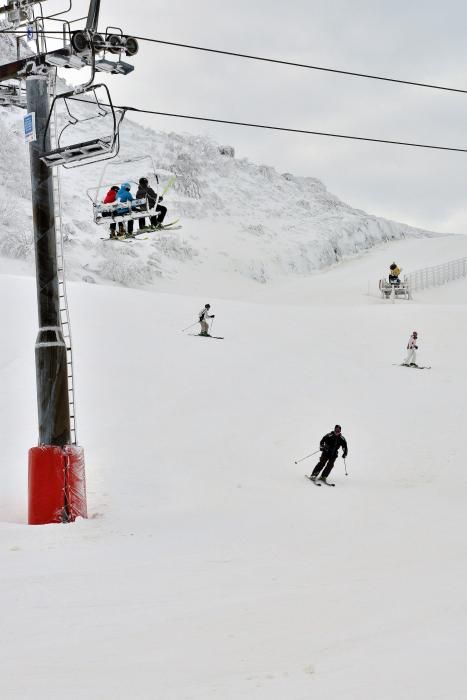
203 315
329 447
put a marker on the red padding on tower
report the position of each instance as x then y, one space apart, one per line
57 487
75 486
46 485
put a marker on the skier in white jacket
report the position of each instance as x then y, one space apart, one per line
203 315
411 359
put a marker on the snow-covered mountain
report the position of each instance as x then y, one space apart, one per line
238 217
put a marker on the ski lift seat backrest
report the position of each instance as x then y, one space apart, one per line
389 290
121 211
102 208
113 206
79 151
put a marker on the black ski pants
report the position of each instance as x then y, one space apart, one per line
161 211
326 462
121 227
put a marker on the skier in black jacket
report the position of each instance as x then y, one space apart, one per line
146 192
329 446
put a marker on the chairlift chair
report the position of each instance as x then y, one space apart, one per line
395 291
90 151
126 211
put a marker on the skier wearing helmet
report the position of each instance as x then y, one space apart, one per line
202 316
329 447
147 193
412 345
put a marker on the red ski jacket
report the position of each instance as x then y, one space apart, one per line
110 197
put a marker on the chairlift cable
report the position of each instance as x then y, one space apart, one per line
307 66
309 132
295 131
277 61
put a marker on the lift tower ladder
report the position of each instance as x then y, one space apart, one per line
63 302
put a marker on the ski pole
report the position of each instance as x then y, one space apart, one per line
302 458
185 329
345 467
212 323
168 185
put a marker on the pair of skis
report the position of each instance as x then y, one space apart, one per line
171 226
200 335
317 482
125 239
412 366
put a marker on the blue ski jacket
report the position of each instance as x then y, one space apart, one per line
124 194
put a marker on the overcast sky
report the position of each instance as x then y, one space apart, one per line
424 41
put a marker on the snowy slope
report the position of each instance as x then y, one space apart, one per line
209 568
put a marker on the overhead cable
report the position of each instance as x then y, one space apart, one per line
277 61
301 65
294 131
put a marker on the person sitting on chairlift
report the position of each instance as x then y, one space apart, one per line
110 198
394 272
124 195
146 192
111 195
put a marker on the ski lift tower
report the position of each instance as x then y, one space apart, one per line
56 466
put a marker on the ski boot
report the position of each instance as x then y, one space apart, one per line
313 477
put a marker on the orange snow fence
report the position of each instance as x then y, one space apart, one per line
57 486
